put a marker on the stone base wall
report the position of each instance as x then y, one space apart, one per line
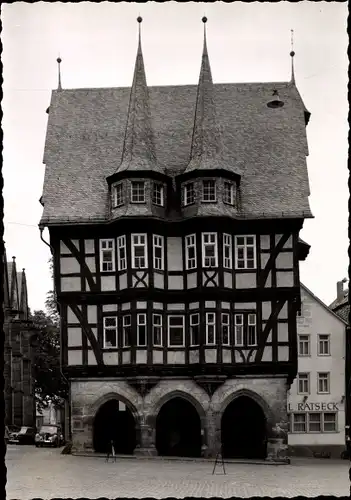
317 451
87 396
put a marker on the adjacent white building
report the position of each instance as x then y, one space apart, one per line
316 400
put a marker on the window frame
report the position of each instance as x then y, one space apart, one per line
101 252
154 325
236 324
307 422
212 200
298 379
156 185
250 344
139 324
245 246
225 324
335 422
191 326
109 328
115 188
155 245
210 324
319 379
208 244
186 190
293 430
231 200
319 341
169 328
124 326
133 245
187 247
308 342
132 185
122 245
227 261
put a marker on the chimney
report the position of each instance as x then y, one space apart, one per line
340 289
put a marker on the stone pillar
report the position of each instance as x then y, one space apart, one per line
213 434
146 437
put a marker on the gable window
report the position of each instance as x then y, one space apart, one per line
157 194
121 253
227 251
107 255
209 191
303 383
157 329
117 195
323 383
228 193
188 194
127 330
194 329
141 330
176 331
225 329
210 328
209 249
110 331
323 345
137 192
245 252
139 251
190 251
245 329
158 244
304 345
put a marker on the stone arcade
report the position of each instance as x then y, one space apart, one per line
174 215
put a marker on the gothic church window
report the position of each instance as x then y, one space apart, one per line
157 194
176 331
137 192
245 252
158 247
117 195
228 193
107 255
209 191
139 251
190 251
110 331
121 253
209 250
188 194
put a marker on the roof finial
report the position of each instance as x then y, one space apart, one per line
140 20
292 54
204 20
59 87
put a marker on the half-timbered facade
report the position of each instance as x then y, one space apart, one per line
174 216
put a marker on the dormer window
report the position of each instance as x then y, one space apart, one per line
188 194
209 191
138 192
157 194
117 195
228 193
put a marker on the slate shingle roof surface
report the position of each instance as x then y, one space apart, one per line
86 129
341 306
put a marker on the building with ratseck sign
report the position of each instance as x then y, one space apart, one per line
174 215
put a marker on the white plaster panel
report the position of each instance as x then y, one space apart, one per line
90 262
283 332
283 314
264 259
228 280
225 305
126 357
71 317
238 358
192 280
283 353
285 279
87 285
277 238
91 358
266 310
94 330
194 356
69 265
210 303
246 280
210 282
75 243
125 306
245 305
110 358
288 244
194 305
268 283
267 354
265 241
159 280
108 283
269 338
175 307
175 282
175 357
70 284
158 305
74 337
226 356
89 246
141 357
141 305
92 314
210 356
75 358
157 357
110 307
175 253
63 249
284 260
123 281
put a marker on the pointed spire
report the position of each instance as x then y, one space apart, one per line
23 305
59 60
292 54
139 149
14 298
6 281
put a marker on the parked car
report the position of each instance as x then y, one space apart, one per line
25 435
49 435
10 432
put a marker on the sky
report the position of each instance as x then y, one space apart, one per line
247 42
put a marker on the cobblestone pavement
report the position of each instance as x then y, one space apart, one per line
45 473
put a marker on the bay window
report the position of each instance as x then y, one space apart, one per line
139 251
209 250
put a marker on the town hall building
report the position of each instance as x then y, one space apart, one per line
174 215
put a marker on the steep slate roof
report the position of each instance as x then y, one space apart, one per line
85 137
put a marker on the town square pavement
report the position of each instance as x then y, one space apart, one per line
46 473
